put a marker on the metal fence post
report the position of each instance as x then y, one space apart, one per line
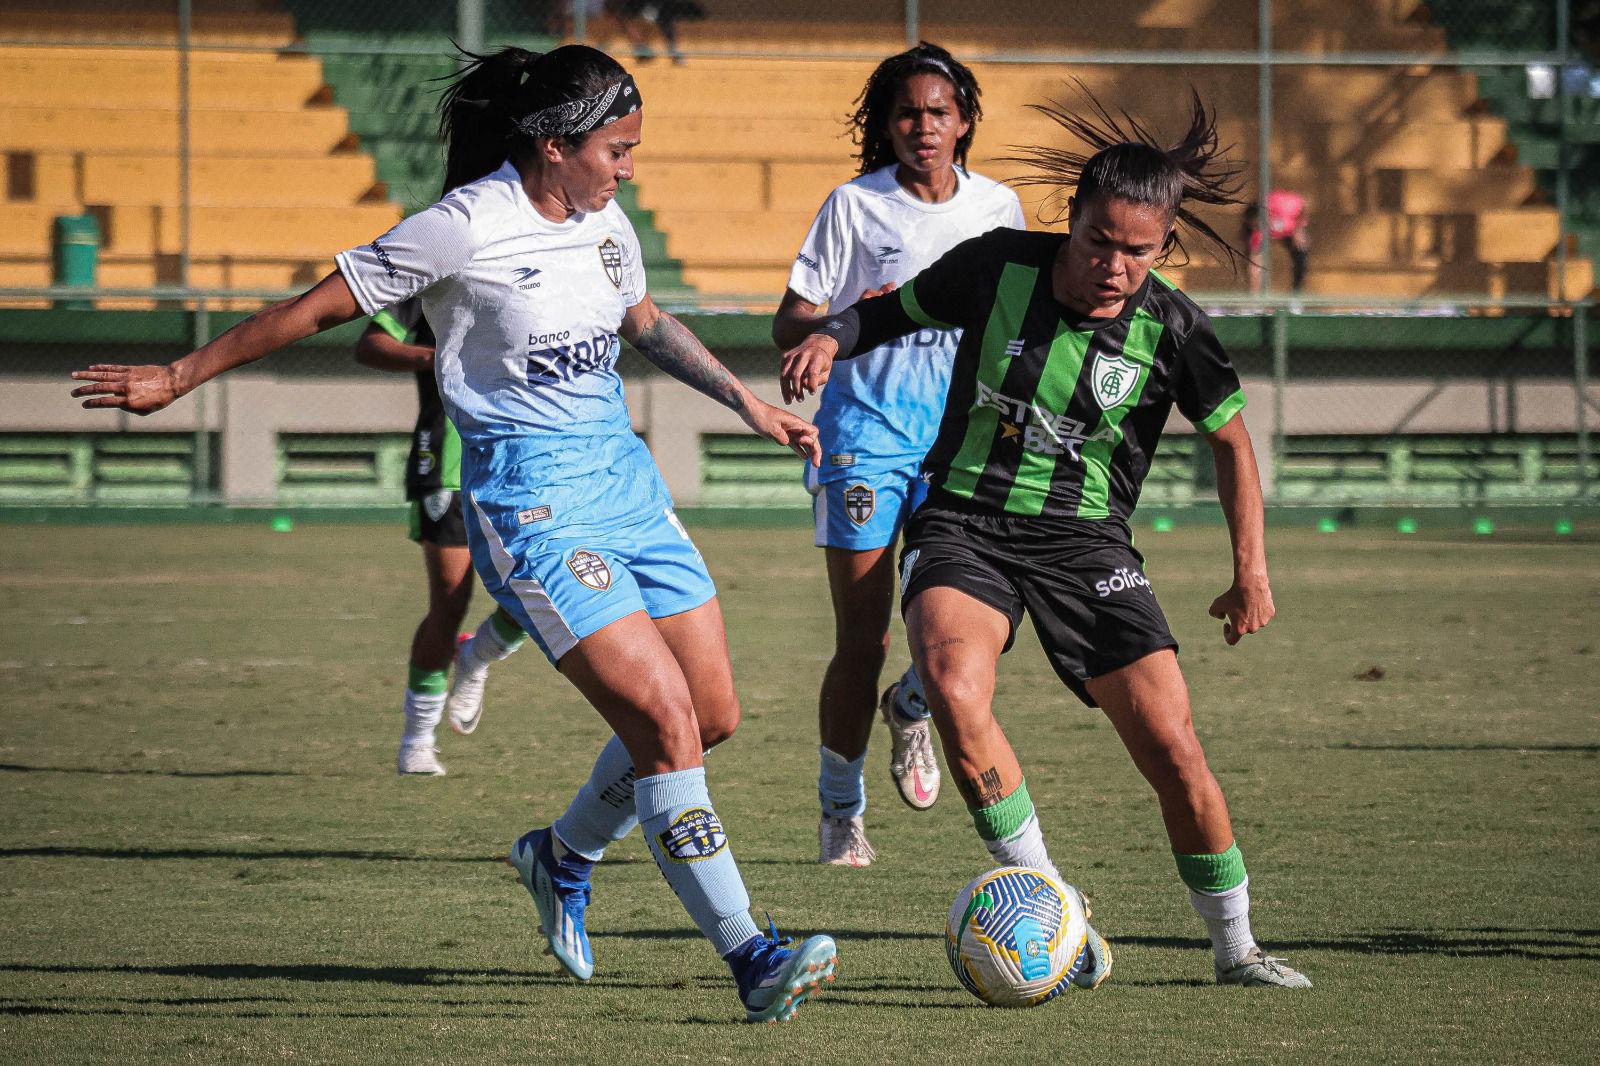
1580 381
1280 385
1264 140
185 115
469 25
200 333
1563 153
913 23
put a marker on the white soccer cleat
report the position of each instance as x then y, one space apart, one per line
464 705
911 761
421 759
1260 970
844 842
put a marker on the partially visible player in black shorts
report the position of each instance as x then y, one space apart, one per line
1073 353
399 340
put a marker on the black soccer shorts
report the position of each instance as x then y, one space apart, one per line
1081 582
437 519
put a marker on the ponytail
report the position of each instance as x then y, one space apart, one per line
483 103
1126 161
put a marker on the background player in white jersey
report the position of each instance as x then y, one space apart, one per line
913 201
400 340
528 271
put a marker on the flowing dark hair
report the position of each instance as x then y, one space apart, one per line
481 104
1126 161
876 102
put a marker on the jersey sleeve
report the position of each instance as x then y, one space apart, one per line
1015 219
943 295
821 260
417 252
633 281
1207 389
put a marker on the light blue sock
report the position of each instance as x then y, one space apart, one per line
603 810
685 836
910 702
842 785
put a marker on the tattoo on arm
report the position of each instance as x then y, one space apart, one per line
669 345
984 790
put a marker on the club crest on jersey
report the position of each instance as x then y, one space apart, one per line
694 834
859 503
590 569
611 259
1112 378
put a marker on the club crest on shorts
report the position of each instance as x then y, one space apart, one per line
611 259
435 504
859 503
590 569
694 834
1112 377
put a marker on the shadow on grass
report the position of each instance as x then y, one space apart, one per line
56 851
97 771
1545 749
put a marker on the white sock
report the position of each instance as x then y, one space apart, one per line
422 716
1025 847
1227 918
842 785
486 646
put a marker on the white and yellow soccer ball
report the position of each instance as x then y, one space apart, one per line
1016 937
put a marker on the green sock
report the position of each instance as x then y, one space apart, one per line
999 820
1212 874
427 682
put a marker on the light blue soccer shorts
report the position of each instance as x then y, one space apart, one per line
866 512
562 585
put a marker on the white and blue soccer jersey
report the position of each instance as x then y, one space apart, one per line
570 524
880 411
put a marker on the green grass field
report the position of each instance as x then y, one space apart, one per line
206 855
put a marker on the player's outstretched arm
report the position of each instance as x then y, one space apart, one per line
668 344
146 389
1247 605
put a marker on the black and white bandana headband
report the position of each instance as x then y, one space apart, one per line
581 116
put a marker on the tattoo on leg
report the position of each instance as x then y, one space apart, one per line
940 645
984 790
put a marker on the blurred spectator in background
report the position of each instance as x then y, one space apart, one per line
633 18
1287 221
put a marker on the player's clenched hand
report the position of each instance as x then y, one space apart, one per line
792 431
140 389
1244 609
807 367
888 286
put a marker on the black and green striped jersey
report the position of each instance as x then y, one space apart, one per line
435 459
1050 412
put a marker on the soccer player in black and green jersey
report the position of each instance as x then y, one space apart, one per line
1073 354
399 339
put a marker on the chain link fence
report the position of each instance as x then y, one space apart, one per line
171 164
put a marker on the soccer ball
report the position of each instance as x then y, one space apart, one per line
1016 937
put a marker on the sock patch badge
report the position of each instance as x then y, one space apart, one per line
694 835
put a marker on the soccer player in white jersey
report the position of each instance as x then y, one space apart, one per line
528 272
913 201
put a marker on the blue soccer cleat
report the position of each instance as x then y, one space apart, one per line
775 979
561 892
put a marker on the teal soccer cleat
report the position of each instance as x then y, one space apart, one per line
1097 964
774 979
